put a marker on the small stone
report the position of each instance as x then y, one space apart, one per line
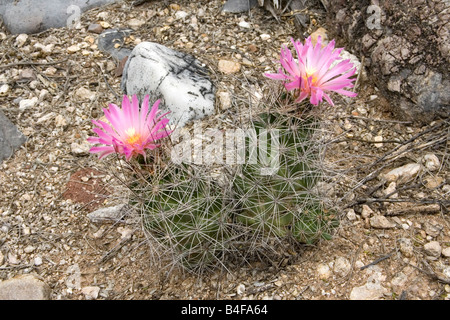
27 74
265 36
4 89
432 228
60 121
174 6
37 261
381 222
229 67
74 48
366 211
445 252
28 103
433 249
244 24
95 28
224 99
90 292
323 271
406 247
109 214
135 23
431 162
24 287
181 14
351 215
29 249
125 233
20 40
404 173
378 139
390 191
84 94
342 266
105 24
2 258
80 149
240 289
252 48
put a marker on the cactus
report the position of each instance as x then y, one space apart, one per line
281 204
187 212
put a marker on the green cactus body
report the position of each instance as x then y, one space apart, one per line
281 204
188 213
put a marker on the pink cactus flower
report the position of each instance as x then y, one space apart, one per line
132 131
313 74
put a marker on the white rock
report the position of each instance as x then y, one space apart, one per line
244 24
433 249
351 215
178 79
135 23
431 162
181 14
265 36
381 222
4 89
366 211
24 287
446 252
84 94
342 266
125 233
73 48
80 149
20 40
390 189
323 271
240 289
373 289
224 99
403 173
90 292
60 121
28 103
406 247
37 261
109 214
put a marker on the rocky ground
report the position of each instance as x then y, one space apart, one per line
390 177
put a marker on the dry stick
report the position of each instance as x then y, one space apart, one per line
27 63
378 260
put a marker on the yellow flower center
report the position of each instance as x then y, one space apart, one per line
133 136
309 73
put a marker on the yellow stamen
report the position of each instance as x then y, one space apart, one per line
133 137
309 73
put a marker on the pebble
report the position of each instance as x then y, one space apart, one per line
84 94
37 261
378 139
181 14
351 215
433 249
80 149
342 266
323 271
431 162
135 23
390 189
224 99
74 48
403 173
406 247
265 36
4 89
366 211
90 292
244 24
240 289
445 252
109 214
20 40
381 222
24 287
60 121
2 258
25 104
373 289
229 67
95 28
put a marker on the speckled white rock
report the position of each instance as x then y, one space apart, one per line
381 222
178 79
403 173
431 162
433 249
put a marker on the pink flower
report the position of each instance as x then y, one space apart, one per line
313 74
132 131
